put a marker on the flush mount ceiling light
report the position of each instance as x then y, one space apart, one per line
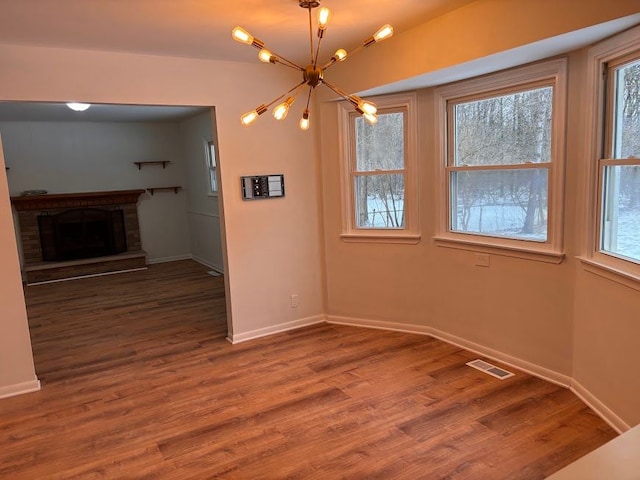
78 107
312 74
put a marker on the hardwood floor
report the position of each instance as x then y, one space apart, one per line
139 382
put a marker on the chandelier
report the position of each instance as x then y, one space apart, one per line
313 73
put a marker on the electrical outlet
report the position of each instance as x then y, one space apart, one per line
294 301
483 260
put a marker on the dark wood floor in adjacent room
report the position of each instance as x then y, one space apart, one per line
139 382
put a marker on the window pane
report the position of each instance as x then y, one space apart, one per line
510 204
626 138
621 211
507 130
379 201
380 146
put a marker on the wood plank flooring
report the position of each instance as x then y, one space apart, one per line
140 383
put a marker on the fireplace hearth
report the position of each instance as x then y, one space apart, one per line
79 234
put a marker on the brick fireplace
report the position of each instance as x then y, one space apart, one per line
78 234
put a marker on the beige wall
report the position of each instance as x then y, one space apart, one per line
16 364
554 316
273 246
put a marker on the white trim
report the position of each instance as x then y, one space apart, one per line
204 214
207 263
175 258
599 407
19 388
379 236
528 367
410 234
555 73
514 362
378 324
87 276
606 270
524 250
273 329
592 259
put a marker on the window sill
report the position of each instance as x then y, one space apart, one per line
381 237
526 253
611 273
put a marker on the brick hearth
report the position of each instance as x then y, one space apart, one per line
37 270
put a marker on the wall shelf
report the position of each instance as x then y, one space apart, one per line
175 189
164 163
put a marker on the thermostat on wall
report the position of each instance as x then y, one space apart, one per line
262 186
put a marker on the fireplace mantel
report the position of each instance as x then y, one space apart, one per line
75 200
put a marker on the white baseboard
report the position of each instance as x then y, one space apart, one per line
91 275
543 373
207 263
379 324
282 327
600 408
19 388
515 362
175 258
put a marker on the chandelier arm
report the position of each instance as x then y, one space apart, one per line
284 61
310 33
315 59
339 91
309 98
351 54
285 94
295 67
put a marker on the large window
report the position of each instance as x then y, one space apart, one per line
379 173
612 168
619 169
503 161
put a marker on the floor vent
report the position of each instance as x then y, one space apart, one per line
213 273
490 369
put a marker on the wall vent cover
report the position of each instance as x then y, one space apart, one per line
490 369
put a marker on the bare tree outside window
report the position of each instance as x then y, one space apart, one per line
499 162
379 171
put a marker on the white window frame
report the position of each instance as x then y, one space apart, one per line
599 57
547 73
211 164
410 234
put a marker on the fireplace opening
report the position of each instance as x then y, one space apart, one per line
82 233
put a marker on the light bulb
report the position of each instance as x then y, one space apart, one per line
304 121
281 111
371 118
250 117
340 55
383 33
324 14
266 56
239 34
363 106
367 107
78 107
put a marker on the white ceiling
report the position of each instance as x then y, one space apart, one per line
190 28
202 28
